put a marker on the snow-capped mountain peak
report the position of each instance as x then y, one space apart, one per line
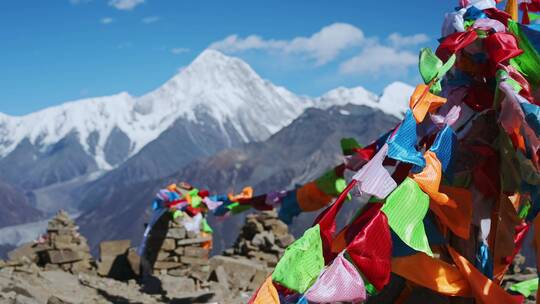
215 88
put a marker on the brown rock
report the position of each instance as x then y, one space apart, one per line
192 251
276 226
62 256
176 233
104 265
178 272
114 248
179 251
168 245
166 265
177 286
222 277
240 271
28 268
56 300
82 266
162 255
193 260
25 250
134 261
258 279
65 238
198 240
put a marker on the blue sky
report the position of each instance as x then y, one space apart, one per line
54 51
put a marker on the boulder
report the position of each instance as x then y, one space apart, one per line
114 248
63 256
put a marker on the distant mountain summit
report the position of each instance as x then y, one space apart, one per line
218 101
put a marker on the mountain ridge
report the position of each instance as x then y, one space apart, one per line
205 85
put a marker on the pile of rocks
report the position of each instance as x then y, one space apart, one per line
61 247
182 254
263 238
518 272
176 261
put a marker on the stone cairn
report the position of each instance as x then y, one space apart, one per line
518 272
61 247
183 255
263 238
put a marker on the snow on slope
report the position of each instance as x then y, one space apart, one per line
393 101
225 88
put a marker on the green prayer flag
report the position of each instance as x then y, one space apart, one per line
431 67
330 183
527 63
177 214
534 17
302 262
524 211
236 207
525 288
405 209
371 290
206 227
348 144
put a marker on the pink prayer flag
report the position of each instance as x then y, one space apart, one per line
373 178
339 282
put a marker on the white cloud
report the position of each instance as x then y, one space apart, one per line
106 20
125 5
323 46
397 40
235 44
150 19
379 59
180 50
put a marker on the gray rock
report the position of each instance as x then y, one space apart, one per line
177 286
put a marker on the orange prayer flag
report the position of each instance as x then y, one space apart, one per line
458 218
483 289
432 273
429 179
267 293
422 102
246 193
503 228
311 198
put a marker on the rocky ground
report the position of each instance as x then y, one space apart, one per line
57 268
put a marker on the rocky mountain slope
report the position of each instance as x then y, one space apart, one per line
78 155
298 153
15 206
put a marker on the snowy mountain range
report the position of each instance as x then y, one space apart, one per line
81 154
224 88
